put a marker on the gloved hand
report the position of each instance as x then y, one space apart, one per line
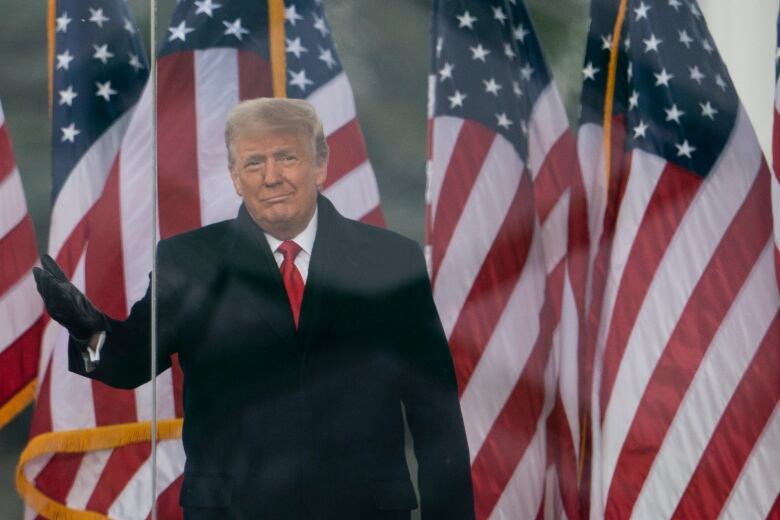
65 303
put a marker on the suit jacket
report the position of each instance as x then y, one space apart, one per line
280 423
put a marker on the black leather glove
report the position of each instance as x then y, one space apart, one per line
65 303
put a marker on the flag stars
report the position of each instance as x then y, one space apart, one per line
102 53
291 15
524 127
696 74
589 72
62 22
707 110
720 82
321 26
129 26
640 130
633 101
466 20
67 96
63 60
676 4
69 133
327 57
641 11
652 43
520 33
662 78
179 32
516 89
491 86
439 46
206 7
685 39
295 47
97 17
104 90
479 53
606 42
684 149
707 46
526 72
235 28
300 80
135 62
673 113
694 10
499 15
508 52
456 100
446 71
503 121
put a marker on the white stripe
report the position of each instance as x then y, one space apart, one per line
216 93
445 134
548 122
87 478
334 103
506 353
135 200
33 467
475 232
777 96
758 485
591 157
13 208
699 233
721 370
20 308
568 335
775 194
522 496
555 232
166 405
85 184
70 397
356 193
135 500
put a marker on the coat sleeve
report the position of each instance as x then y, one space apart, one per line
125 358
430 397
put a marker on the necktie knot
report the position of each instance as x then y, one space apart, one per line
289 250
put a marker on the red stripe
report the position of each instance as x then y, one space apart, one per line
555 174
494 284
664 212
41 418
177 377
168 502
374 217
468 155
774 513
560 452
715 291
254 76
7 159
56 478
776 143
18 253
122 464
515 426
105 287
19 362
737 432
177 165
347 151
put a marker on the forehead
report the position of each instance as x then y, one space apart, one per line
265 140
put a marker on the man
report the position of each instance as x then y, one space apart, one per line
302 336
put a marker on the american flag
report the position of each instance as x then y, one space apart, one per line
21 310
89 447
776 156
217 54
685 311
501 168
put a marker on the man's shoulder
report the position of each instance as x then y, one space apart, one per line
211 237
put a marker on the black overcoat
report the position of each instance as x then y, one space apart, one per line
280 423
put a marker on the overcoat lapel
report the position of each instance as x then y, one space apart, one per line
250 259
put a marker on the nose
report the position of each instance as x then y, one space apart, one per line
273 174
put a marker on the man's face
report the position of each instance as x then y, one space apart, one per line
276 175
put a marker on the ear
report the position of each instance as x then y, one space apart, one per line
236 183
321 173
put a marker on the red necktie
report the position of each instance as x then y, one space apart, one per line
293 282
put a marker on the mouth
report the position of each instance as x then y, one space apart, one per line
276 198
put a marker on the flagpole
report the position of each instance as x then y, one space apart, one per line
153 361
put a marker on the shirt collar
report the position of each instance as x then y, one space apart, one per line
305 239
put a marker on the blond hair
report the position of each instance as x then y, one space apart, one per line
268 114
